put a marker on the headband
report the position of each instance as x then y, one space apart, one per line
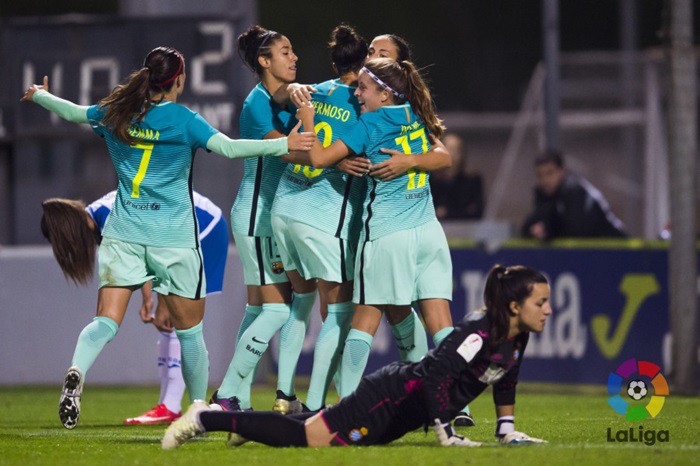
382 83
177 73
268 34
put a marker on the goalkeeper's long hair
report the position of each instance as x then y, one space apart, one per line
74 244
505 285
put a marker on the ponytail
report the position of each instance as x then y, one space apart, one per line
421 100
505 285
65 224
404 81
129 102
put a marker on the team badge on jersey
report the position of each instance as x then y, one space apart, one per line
356 434
516 354
278 267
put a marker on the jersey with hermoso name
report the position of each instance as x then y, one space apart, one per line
250 214
327 199
404 202
154 205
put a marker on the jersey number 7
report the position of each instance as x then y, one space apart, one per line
143 166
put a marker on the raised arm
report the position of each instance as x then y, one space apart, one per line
399 163
245 148
321 157
298 94
61 107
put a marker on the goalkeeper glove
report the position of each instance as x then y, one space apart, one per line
447 437
519 438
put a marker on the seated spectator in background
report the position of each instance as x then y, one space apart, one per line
567 205
457 192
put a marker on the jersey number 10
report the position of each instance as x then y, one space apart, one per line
310 172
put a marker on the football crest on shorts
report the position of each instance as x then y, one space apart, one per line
278 267
357 434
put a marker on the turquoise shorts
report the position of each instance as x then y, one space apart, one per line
262 264
313 252
178 271
404 267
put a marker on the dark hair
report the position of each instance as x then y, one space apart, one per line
256 42
348 49
129 102
65 224
550 156
404 78
404 49
503 286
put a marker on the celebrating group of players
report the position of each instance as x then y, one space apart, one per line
345 211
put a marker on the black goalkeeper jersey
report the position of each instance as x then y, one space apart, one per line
466 362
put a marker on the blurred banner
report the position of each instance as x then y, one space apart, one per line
610 302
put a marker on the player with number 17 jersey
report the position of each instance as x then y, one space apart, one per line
404 202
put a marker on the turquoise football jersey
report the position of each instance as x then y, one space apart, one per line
154 204
250 214
327 199
404 202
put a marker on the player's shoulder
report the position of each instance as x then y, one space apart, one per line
204 203
257 95
325 88
105 201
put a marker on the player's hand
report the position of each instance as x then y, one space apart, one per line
519 438
354 165
300 94
447 437
300 141
162 318
146 311
29 95
396 166
305 111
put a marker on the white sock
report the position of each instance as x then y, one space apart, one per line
172 385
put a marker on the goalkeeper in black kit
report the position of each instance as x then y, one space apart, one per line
486 348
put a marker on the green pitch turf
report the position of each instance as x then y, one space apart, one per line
574 422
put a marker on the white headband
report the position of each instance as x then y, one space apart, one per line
382 83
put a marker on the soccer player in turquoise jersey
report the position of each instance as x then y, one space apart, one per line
152 232
316 214
402 254
396 47
269 54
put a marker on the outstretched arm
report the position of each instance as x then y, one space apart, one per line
245 148
298 94
61 107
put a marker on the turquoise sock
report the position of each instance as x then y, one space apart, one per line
441 335
292 340
251 313
411 339
195 361
252 346
327 352
92 339
355 356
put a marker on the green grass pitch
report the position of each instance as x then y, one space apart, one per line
575 422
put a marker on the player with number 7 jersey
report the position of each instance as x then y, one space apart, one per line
152 233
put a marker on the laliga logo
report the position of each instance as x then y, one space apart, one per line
633 380
637 374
